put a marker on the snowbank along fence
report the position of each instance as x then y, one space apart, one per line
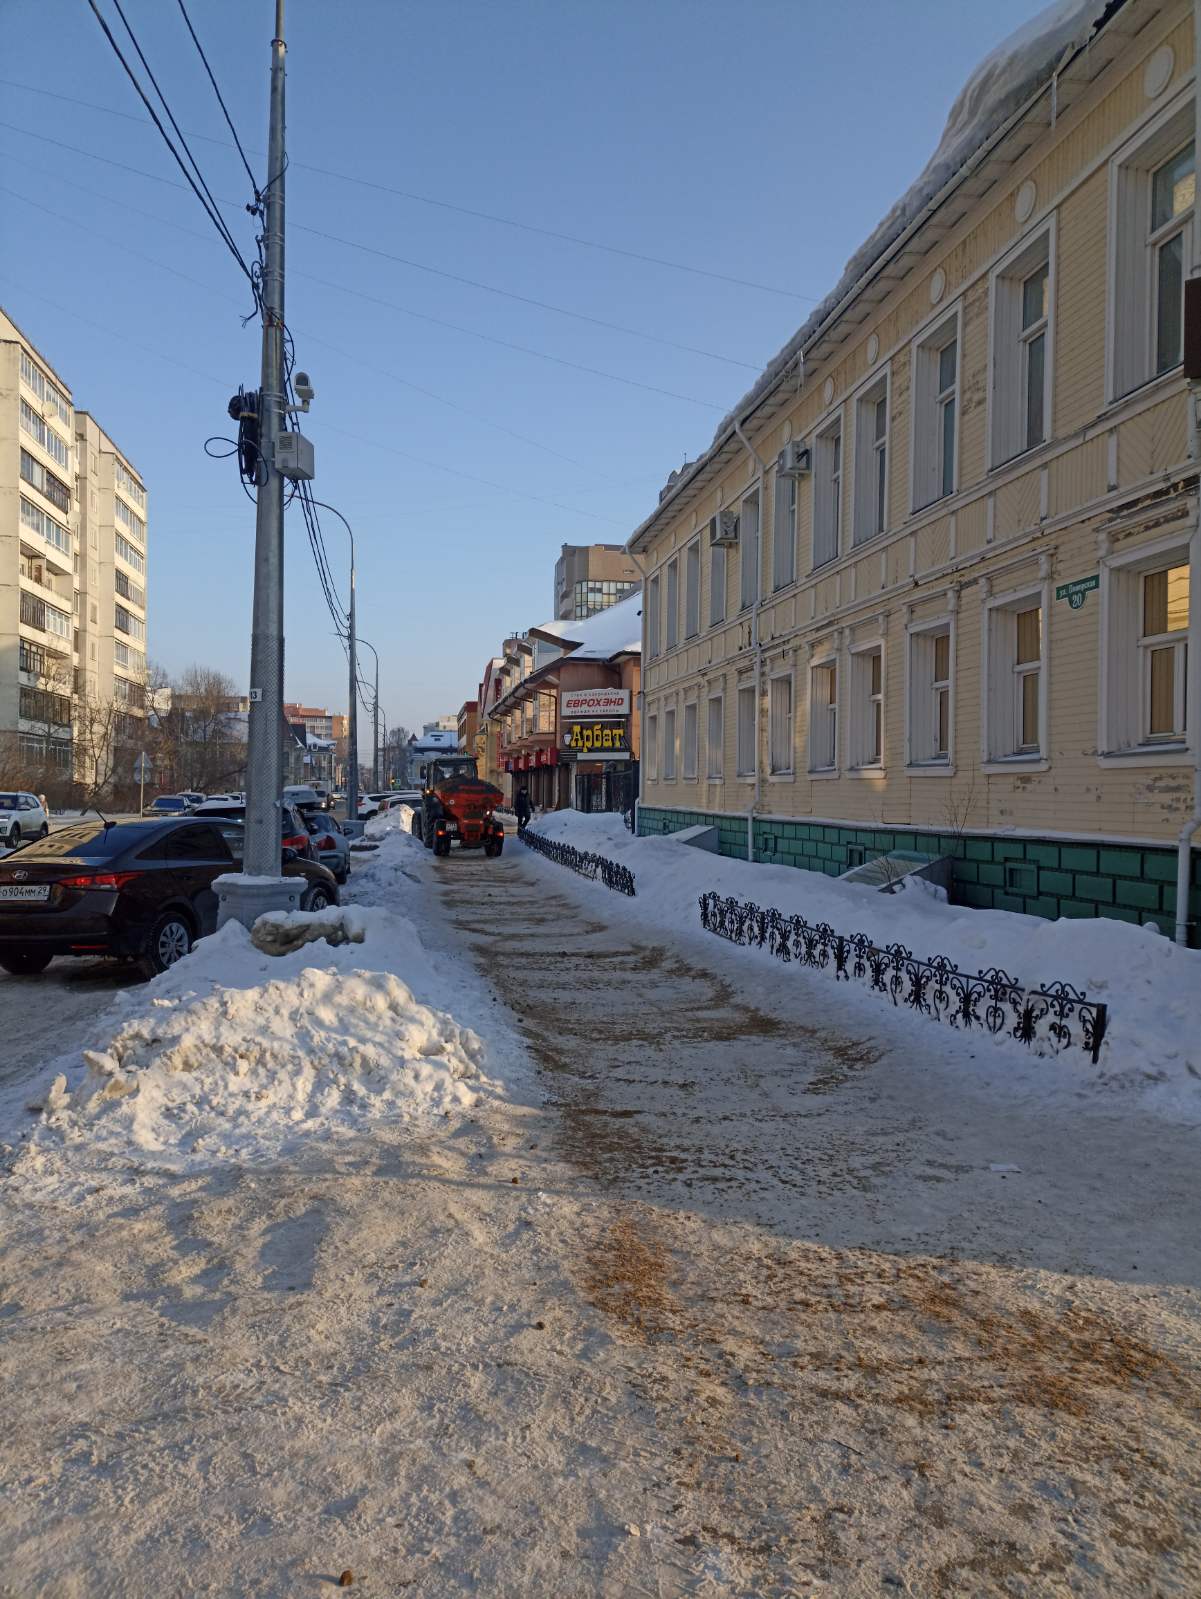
992 1000
612 875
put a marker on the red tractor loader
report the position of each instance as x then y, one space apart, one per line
457 804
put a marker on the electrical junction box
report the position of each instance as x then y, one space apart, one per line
294 457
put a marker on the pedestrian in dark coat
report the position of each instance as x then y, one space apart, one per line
522 809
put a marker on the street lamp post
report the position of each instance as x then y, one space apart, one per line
352 717
374 720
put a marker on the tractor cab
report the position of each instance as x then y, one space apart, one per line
446 769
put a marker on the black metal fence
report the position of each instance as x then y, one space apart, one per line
991 1000
618 878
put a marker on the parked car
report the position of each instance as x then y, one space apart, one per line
293 832
372 804
192 795
330 843
138 890
22 817
168 805
303 795
325 796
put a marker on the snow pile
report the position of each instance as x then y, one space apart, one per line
280 932
1151 985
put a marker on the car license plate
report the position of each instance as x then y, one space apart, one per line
24 890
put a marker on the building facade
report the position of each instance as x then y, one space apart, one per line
929 588
591 577
73 560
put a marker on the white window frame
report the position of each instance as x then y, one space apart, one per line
748 549
1000 675
751 724
926 404
717 748
786 497
690 748
672 588
866 709
1130 355
717 584
869 510
781 763
829 489
652 745
669 762
692 588
654 618
920 697
1120 711
1009 344
823 738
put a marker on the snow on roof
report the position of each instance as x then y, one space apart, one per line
617 630
438 738
1004 80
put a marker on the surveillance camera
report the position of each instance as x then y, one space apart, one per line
303 386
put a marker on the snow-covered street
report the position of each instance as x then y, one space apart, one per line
729 1281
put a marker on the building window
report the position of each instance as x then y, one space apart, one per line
780 726
131 556
1163 653
692 589
128 484
871 462
823 717
783 552
748 546
747 730
669 746
827 491
1153 194
715 743
935 412
42 479
44 526
652 616
1021 367
867 708
39 705
673 604
592 595
717 581
135 524
127 588
1014 677
930 707
32 659
1145 651
652 748
691 736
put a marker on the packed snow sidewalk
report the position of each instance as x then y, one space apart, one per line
1152 1050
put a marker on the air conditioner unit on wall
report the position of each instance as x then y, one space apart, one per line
723 528
794 460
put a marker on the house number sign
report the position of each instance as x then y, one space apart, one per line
1075 593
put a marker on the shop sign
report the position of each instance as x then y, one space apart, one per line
597 738
580 703
1075 592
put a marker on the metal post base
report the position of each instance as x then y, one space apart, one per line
244 899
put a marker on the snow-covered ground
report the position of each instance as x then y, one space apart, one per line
1152 1050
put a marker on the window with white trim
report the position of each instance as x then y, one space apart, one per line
692 589
871 462
690 741
1154 185
652 747
781 733
715 743
930 703
653 617
867 708
669 745
748 545
823 716
1146 652
1014 679
717 581
827 491
783 550
1021 347
673 603
748 723
936 412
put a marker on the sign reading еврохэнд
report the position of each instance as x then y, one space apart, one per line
584 703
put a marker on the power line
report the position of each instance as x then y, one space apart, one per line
461 210
220 100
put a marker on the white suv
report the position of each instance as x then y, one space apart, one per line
21 818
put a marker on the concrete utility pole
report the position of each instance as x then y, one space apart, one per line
264 769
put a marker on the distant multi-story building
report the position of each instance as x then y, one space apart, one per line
591 577
72 577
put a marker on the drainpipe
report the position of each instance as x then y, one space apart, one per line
642 688
1184 847
761 464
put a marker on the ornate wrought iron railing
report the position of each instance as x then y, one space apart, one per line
611 874
1058 1014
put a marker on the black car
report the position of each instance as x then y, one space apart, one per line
138 890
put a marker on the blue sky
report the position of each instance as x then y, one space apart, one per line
761 141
